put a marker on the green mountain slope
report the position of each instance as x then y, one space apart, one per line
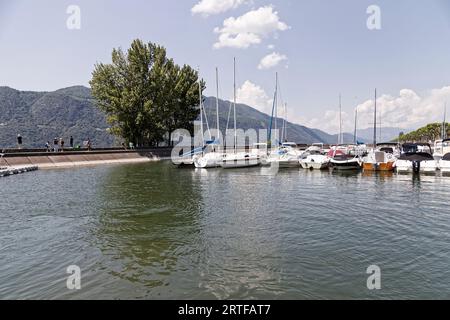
42 116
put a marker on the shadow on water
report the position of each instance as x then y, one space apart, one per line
148 218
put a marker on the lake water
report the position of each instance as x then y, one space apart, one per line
152 231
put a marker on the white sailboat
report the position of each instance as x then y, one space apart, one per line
345 157
234 160
188 159
286 154
212 158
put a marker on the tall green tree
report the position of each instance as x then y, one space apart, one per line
430 132
145 94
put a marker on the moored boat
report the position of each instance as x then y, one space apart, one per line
444 164
346 162
315 162
416 158
382 158
240 160
441 148
286 156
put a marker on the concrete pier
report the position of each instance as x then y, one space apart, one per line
48 160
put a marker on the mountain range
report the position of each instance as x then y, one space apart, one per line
41 116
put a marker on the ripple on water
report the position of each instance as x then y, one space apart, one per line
152 231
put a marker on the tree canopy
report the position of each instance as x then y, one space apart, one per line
145 94
430 132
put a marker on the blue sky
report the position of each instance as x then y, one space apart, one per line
324 45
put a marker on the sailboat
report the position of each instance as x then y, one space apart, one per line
285 154
213 158
383 155
187 159
344 157
238 159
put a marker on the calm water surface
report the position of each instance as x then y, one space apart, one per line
152 231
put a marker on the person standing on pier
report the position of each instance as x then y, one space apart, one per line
47 146
19 141
55 145
71 142
61 143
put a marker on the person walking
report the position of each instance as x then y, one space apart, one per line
89 145
19 141
71 142
47 146
61 143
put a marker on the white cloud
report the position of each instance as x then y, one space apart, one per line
271 61
254 96
211 7
271 46
249 29
407 110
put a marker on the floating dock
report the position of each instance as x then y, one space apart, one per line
5 172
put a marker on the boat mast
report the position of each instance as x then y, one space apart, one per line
234 106
201 107
217 106
356 126
444 125
340 140
269 135
375 123
285 122
276 108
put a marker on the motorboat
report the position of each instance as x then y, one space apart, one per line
344 158
416 158
346 162
382 158
441 148
444 164
285 156
315 162
316 148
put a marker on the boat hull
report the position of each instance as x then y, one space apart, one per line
353 164
286 164
314 165
315 162
235 162
444 165
405 166
384 166
208 161
183 162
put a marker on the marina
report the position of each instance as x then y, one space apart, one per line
152 231
224 155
